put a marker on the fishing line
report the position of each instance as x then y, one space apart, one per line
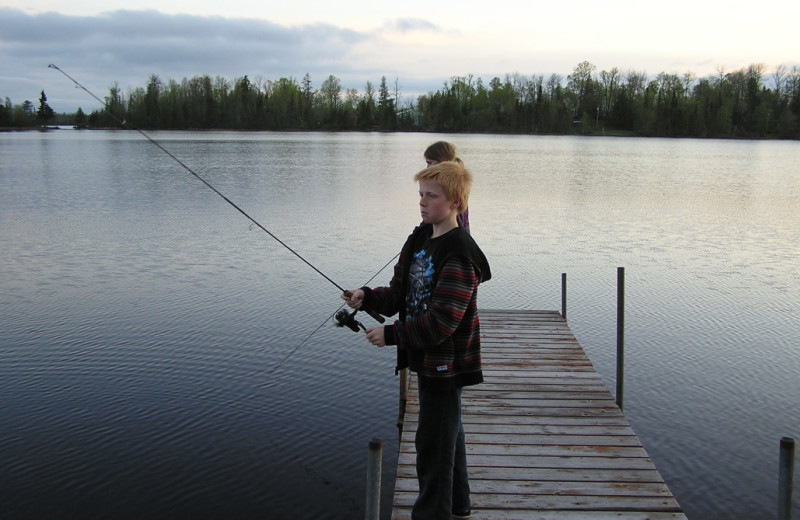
201 179
326 320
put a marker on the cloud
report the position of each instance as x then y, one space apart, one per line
126 47
405 25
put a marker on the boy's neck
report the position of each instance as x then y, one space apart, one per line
445 226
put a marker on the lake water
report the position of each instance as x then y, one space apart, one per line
163 357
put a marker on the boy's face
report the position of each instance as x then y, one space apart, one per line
433 204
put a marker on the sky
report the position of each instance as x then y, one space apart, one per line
417 45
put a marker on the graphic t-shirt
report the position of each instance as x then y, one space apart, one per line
420 282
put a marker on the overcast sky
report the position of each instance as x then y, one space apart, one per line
419 44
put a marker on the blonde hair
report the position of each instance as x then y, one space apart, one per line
453 177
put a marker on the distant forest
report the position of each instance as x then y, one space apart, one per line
745 103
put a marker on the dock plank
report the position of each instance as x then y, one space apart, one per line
545 438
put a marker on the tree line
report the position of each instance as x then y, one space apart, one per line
26 114
744 103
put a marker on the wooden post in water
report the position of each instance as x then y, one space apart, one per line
373 509
786 479
564 295
620 336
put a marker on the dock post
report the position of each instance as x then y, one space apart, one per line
786 479
564 296
403 396
620 336
373 509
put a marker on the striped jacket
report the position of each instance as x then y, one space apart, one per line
438 333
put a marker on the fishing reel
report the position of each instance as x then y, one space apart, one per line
347 319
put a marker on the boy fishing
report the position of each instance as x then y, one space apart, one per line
434 290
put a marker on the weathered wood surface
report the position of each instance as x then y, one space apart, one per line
545 438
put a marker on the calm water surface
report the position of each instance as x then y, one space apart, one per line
163 357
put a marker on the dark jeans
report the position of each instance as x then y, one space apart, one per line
441 456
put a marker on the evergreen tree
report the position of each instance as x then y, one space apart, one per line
307 104
80 118
44 113
5 113
387 116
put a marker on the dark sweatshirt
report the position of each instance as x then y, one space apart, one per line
435 291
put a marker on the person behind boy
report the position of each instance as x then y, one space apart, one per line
434 289
442 151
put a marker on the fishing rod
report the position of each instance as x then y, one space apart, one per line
344 320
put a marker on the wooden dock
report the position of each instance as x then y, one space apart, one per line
545 438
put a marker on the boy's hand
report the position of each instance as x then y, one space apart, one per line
376 337
354 299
